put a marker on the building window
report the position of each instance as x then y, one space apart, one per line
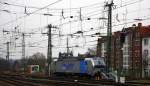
145 41
145 54
137 34
105 46
137 43
125 62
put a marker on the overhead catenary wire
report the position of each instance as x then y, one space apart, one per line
130 22
56 46
15 12
112 26
116 8
85 19
31 12
54 3
101 12
98 29
127 4
123 23
23 6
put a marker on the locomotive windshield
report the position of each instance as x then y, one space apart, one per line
98 62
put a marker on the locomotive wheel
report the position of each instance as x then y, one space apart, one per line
97 76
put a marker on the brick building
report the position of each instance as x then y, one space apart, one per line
134 48
126 51
116 50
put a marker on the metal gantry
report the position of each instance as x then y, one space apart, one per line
109 34
23 49
49 50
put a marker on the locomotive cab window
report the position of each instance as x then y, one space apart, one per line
85 62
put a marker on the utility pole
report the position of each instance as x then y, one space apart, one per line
49 50
7 57
109 34
23 50
67 46
81 20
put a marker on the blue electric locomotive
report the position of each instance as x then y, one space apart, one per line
75 66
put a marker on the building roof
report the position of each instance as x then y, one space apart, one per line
143 30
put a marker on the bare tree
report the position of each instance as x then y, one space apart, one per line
3 64
92 51
37 59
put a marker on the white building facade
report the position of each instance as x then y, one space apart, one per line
125 50
103 49
146 56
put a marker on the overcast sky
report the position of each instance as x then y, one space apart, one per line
124 11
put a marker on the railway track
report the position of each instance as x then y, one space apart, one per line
72 82
21 80
61 81
5 84
18 83
13 81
